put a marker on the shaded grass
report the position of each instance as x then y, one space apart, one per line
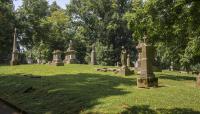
74 89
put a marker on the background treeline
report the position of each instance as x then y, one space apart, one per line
172 26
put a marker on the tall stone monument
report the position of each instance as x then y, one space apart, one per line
198 80
93 55
70 54
147 77
15 52
124 70
57 60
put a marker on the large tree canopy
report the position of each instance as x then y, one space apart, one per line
172 26
7 24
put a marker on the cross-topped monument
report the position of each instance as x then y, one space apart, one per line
147 77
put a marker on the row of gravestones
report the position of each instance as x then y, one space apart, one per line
145 59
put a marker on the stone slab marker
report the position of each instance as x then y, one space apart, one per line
93 55
198 80
57 60
15 52
147 77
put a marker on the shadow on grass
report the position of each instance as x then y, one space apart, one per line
145 109
60 94
176 78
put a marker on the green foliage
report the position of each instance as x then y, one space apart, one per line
7 24
29 17
171 25
101 21
41 51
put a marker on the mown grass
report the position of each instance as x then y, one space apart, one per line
74 89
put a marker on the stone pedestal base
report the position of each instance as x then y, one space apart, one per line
125 71
58 64
145 82
198 81
12 63
71 61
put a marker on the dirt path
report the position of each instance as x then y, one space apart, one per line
6 109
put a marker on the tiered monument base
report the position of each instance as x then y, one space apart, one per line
71 61
58 64
145 82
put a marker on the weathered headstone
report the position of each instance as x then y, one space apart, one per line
93 55
198 80
15 53
147 77
57 60
124 70
70 54
128 60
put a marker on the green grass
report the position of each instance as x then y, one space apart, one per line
75 89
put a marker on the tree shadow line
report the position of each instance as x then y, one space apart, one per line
176 78
60 94
145 109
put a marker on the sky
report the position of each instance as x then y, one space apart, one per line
61 3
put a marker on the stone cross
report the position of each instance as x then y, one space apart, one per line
15 53
93 55
147 77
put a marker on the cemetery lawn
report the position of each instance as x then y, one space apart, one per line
74 89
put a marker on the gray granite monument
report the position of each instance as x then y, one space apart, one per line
147 77
15 52
57 60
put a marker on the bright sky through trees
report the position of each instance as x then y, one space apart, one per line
61 3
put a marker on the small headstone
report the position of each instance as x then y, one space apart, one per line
70 54
93 55
128 60
57 60
15 53
147 77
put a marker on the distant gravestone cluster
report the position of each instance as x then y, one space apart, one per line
70 56
143 65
